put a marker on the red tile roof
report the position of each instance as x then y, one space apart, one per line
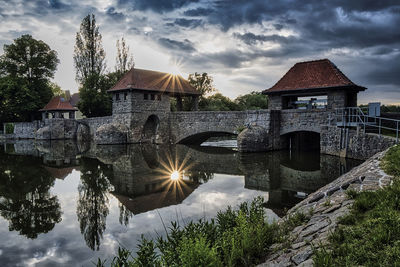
149 80
58 103
318 74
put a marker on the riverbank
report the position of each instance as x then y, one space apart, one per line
328 206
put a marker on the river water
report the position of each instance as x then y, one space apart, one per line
67 204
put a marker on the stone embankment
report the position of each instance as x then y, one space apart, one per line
325 207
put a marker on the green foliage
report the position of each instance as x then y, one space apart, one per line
234 238
26 200
369 235
202 83
254 100
146 256
92 205
218 102
56 89
391 161
9 128
94 99
26 68
351 193
241 128
89 55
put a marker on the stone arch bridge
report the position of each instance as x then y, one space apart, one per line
195 127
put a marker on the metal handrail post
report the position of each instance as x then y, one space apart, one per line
380 129
397 132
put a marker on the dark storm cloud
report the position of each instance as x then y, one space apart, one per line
187 23
251 38
155 5
196 12
384 71
58 5
349 30
352 33
112 13
185 46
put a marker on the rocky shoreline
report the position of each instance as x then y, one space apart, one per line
325 207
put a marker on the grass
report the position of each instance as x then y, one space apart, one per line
370 234
234 238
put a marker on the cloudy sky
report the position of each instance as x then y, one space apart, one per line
245 45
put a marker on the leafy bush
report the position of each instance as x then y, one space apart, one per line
9 128
234 238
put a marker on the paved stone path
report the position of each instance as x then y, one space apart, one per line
326 205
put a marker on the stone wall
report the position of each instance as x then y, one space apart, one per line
336 99
274 102
26 130
324 208
135 102
293 120
187 124
352 143
94 123
57 129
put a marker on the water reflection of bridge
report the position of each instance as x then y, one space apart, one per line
140 173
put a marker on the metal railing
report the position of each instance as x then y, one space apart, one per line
355 117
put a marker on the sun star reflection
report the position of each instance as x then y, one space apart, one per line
175 175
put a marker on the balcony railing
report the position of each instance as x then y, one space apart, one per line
355 117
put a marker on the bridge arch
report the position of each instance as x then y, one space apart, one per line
150 129
201 137
301 140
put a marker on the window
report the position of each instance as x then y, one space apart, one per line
153 97
46 115
159 97
125 95
145 96
117 96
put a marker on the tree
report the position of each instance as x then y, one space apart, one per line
202 83
56 89
218 102
124 60
26 68
89 55
26 200
254 100
92 209
94 99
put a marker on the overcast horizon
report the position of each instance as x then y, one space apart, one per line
244 45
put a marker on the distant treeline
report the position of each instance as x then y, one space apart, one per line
386 108
219 102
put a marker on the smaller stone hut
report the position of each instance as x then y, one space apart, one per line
146 90
58 107
315 79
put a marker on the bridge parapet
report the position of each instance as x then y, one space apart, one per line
197 126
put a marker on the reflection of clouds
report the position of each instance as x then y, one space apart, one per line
65 246
205 201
